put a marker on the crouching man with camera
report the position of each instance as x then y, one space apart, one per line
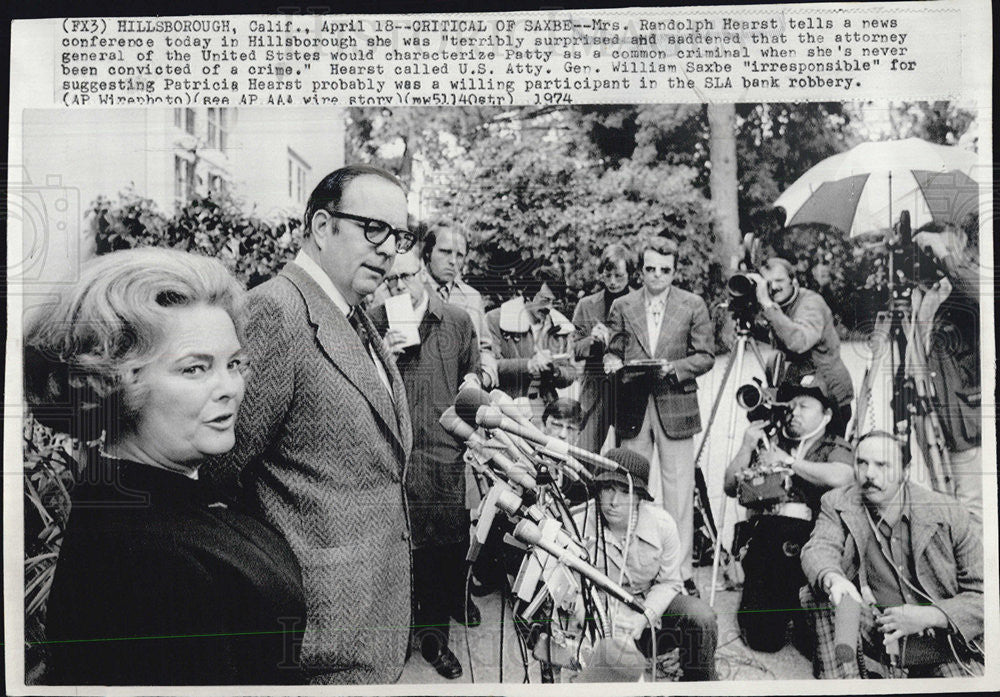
902 567
786 463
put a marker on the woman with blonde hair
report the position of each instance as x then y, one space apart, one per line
157 583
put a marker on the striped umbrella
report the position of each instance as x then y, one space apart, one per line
860 190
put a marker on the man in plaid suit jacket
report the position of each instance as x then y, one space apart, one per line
662 321
324 433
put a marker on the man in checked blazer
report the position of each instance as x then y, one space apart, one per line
324 433
662 321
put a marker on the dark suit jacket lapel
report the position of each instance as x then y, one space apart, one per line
340 343
635 314
672 310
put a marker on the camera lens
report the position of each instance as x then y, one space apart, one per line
740 285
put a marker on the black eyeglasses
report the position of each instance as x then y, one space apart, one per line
404 277
376 231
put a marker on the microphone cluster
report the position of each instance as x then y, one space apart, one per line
496 432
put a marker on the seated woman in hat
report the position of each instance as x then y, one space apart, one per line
157 582
642 552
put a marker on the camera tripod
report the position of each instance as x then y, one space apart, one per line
898 352
737 358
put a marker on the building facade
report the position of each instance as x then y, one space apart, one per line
268 159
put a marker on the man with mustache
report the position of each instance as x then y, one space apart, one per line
912 557
324 433
817 460
800 324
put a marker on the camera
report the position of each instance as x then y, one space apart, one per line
741 287
761 404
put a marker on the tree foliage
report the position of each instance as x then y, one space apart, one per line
542 191
214 225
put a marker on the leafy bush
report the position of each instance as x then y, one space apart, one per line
214 225
49 470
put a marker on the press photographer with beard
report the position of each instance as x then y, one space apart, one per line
801 326
818 460
591 339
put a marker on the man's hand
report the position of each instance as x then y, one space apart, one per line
471 380
939 244
903 620
666 369
540 362
630 623
760 286
601 334
776 457
754 433
837 586
394 342
612 363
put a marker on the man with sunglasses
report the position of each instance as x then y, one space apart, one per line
324 432
670 325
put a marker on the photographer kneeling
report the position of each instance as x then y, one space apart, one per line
911 558
641 550
781 479
801 326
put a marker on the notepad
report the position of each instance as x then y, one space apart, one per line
399 312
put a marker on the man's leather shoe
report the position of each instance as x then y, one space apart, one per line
446 664
691 589
474 616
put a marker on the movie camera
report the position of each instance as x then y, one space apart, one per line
761 404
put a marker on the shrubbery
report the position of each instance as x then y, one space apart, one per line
214 225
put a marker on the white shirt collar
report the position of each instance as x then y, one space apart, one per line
651 299
309 265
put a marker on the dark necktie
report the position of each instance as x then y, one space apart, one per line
359 327
444 291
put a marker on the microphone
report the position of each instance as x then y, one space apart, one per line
528 532
492 417
461 430
474 406
846 625
509 407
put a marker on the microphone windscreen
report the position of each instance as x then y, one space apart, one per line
468 401
528 532
455 426
846 627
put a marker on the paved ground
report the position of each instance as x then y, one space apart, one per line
735 661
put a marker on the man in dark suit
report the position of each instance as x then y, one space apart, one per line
433 372
671 325
324 433
590 340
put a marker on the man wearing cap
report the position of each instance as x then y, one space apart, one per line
813 460
642 552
